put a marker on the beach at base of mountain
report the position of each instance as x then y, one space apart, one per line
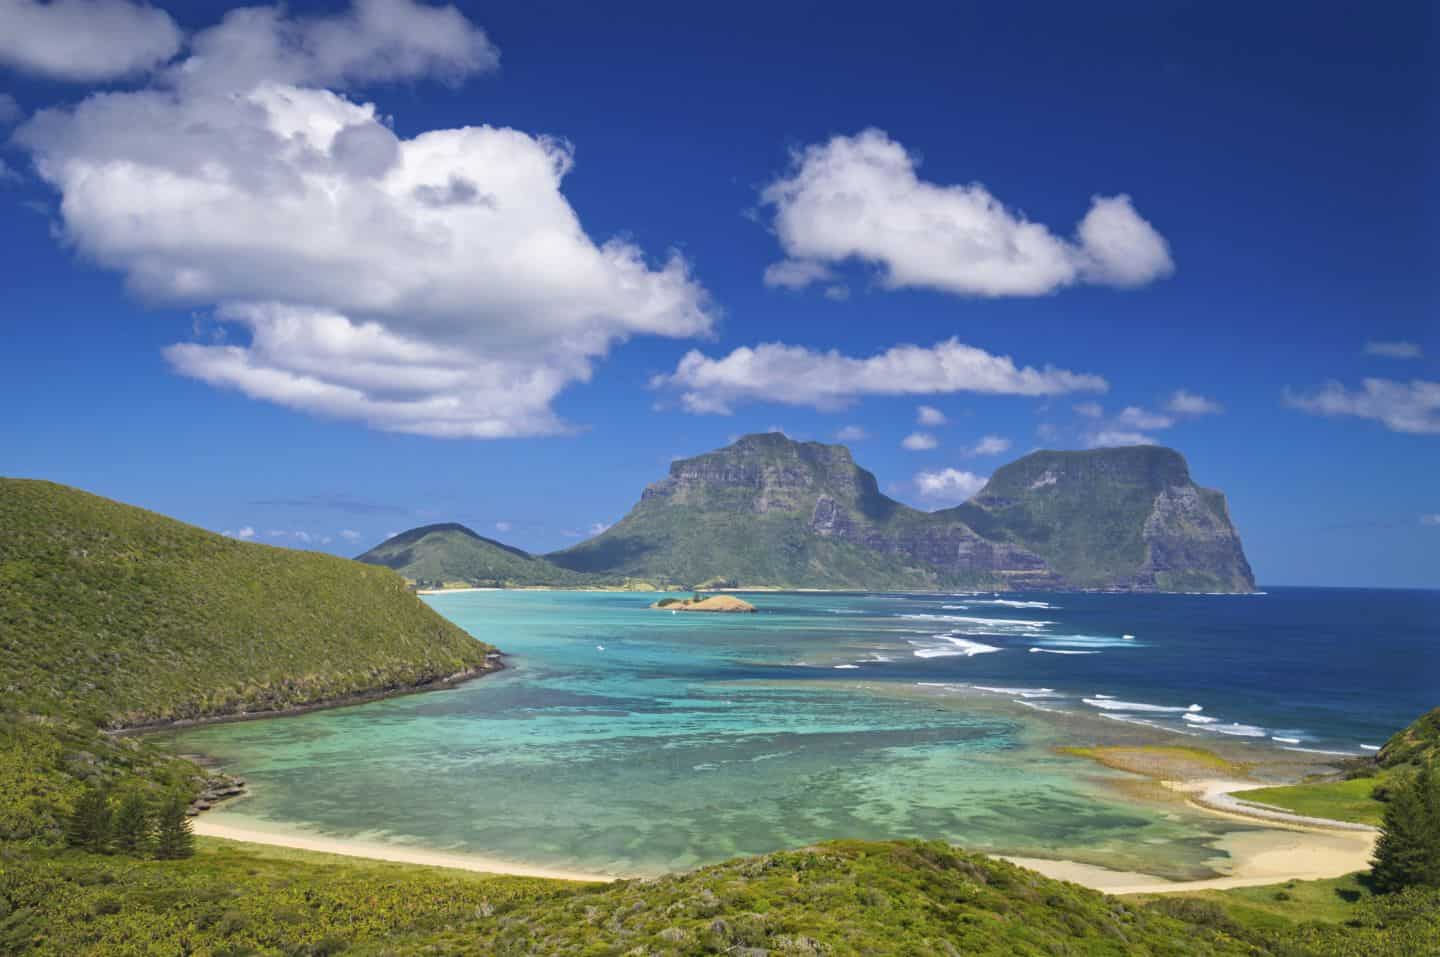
1254 858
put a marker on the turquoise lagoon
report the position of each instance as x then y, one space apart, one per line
631 741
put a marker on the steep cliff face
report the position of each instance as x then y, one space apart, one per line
746 514
1128 518
769 510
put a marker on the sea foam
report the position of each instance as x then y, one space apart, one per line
951 647
1111 704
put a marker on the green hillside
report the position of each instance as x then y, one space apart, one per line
1359 794
836 899
1417 744
112 616
453 554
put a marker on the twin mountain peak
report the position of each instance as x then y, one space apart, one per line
769 511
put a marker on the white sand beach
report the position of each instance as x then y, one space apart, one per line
209 827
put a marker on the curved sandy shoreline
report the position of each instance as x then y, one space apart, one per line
1290 851
397 853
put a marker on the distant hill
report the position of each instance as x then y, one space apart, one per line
113 617
453 554
768 510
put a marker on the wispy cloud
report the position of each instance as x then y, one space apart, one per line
919 442
989 445
1184 402
1393 349
929 415
1400 406
336 503
851 433
1108 438
1431 519
796 375
243 532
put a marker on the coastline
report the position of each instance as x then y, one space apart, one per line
1289 847
494 662
396 853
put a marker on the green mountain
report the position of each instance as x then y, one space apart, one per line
114 617
768 510
1113 518
452 553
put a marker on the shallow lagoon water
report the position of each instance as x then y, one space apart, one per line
631 741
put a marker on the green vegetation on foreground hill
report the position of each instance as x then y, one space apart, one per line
112 616
770 511
841 898
1417 744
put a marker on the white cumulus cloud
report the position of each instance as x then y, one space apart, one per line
796 375
948 486
245 532
929 415
851 433
439 285
860 198
85 40
1393 349
502 526
1400 406
919 442
349 534
1135 417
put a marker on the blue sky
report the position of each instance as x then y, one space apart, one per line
249 321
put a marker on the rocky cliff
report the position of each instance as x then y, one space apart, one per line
768 510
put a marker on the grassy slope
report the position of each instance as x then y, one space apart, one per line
1348 800
1340 917
113 616
1352 799
839 898
452 553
